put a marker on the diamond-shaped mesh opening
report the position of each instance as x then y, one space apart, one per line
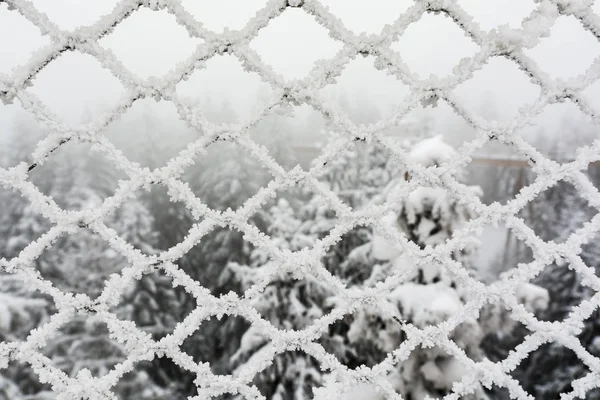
385 258
20 224
293 135
369 98
221 341
501 333
17 52
360 174
293 370
151 133
562 54
292 304
84 342
19 381
425 121
226 176
432 371
22 309
557 212
296 218
590 337
21 136
494 13
565 291
228 92
212 261
425 303
565 121
499 250
363 338
351 258
550 371
500 172
279 43
218 16
496 392
155 304
381 13
143 42
485 84
70 15
171 220
134 223
356 104
424 214
434 45
80 262
160 378
76 177
76 87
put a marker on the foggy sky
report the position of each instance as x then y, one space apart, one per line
151 43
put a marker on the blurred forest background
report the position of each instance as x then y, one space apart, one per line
78 177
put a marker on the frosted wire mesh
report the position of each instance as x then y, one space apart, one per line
502 42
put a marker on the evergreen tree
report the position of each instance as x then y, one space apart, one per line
21 309
357 176
428 216
287 303
554 215
79 262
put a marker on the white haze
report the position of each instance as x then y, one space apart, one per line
150 43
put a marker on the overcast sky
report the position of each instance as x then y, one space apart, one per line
150 43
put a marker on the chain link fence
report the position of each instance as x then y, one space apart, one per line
501 42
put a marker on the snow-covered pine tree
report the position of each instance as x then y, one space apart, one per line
287 303
21 309
224 179
428 216
80 262
20 312
153 304
357 175
554 215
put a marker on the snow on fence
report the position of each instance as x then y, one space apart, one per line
500 42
